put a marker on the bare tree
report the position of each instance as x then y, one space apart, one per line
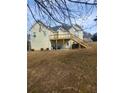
61 11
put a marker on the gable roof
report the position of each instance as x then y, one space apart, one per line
66 27
41 23
55 28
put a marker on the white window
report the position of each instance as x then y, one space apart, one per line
34 34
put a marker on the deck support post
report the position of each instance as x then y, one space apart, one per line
56 44
63 43
71 43
79 46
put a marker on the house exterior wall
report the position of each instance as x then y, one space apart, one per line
81 34
40 38
62 31
76 31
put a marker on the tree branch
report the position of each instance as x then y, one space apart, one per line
82 2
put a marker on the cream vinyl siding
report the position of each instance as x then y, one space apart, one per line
42 38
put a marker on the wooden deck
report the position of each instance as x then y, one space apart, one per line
60 36
68 36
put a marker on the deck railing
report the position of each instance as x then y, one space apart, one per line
60 36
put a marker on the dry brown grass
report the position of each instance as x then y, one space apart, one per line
63 71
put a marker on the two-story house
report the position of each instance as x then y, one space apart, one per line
58 37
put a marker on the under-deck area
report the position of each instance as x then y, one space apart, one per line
61 44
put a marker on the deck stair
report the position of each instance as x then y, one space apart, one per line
78 40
